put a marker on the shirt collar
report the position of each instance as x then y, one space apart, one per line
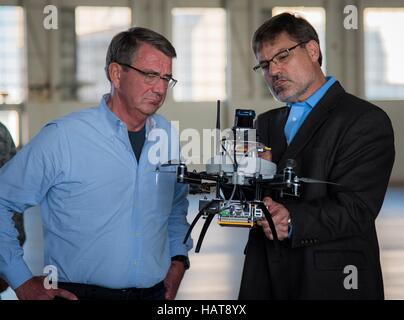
117 123
316 96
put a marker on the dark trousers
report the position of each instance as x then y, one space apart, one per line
92 292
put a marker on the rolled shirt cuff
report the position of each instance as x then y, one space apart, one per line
17 273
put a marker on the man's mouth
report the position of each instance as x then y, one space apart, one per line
154 101
278 84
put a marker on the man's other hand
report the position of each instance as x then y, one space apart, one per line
280 216
173 279
34 289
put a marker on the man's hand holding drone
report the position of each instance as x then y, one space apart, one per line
280 216
266 154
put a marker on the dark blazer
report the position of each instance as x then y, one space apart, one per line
344 140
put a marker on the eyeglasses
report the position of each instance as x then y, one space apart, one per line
279 59
152 77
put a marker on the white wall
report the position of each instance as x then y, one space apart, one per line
344 61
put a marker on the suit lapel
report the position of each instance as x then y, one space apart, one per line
313 122
278 144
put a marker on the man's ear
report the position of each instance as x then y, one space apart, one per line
313 48
114 72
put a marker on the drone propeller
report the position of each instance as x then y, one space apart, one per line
309 180
276 183
305 180
169 163
159 171
174 162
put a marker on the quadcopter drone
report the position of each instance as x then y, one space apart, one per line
239 177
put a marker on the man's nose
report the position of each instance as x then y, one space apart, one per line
160 86
273 69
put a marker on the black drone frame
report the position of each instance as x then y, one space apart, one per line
287 183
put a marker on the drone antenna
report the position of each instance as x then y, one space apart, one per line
218 140
218 114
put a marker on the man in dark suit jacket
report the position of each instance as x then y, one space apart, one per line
329 247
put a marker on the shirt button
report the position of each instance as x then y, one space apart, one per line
294 119
135 263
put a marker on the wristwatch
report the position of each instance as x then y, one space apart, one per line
183 259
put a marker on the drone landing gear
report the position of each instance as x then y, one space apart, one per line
211 208
267 215
205 227
209 218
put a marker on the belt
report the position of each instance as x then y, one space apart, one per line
93 292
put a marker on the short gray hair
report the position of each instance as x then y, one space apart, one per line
124 45
296 28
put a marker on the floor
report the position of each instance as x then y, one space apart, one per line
215 271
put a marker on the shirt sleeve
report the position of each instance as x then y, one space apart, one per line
177 222
24 182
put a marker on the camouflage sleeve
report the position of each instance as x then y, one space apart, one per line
7 147
7 151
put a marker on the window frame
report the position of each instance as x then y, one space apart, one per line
99 4
361 65
55 57
171 4
20 107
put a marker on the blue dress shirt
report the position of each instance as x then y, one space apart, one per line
108 219
300 110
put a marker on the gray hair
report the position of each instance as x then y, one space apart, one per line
124 45
297 28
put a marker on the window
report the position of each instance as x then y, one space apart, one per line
199 36
12 55
12 68
95 27
316 17
384 52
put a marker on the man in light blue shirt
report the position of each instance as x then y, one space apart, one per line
113 226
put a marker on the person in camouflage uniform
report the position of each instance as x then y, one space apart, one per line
7 147
7 151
